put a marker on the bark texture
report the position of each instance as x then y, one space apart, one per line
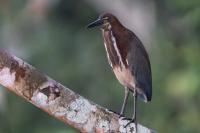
59 101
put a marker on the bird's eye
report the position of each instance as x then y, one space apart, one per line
105 20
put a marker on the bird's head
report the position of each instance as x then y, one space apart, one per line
105 21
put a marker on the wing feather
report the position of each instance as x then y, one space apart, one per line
140 67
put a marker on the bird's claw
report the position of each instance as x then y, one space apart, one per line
128 119
121 116
114 112
131 121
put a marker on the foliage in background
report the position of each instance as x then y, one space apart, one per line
56 42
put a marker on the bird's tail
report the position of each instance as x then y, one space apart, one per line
144 97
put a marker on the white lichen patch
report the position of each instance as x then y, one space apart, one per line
20 61
89 126
57 90
142 129
7 78
79 110
103 125
60 111
40 99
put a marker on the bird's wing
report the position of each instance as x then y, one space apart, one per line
141 69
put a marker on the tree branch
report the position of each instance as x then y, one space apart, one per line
59 101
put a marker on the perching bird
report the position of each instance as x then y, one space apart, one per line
128 59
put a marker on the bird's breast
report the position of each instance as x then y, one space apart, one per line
116 50
124 76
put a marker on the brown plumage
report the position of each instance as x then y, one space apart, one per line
127 57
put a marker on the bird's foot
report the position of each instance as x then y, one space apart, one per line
131 121
114 112
121 115
128 125
128 119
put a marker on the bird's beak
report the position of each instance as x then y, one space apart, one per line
96 23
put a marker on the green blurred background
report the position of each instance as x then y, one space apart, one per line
51 35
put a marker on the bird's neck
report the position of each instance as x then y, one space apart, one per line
115 49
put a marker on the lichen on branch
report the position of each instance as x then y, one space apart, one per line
59 101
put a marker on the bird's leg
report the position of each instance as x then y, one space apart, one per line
134 109
124 102
135 106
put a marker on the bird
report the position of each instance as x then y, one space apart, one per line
128 59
